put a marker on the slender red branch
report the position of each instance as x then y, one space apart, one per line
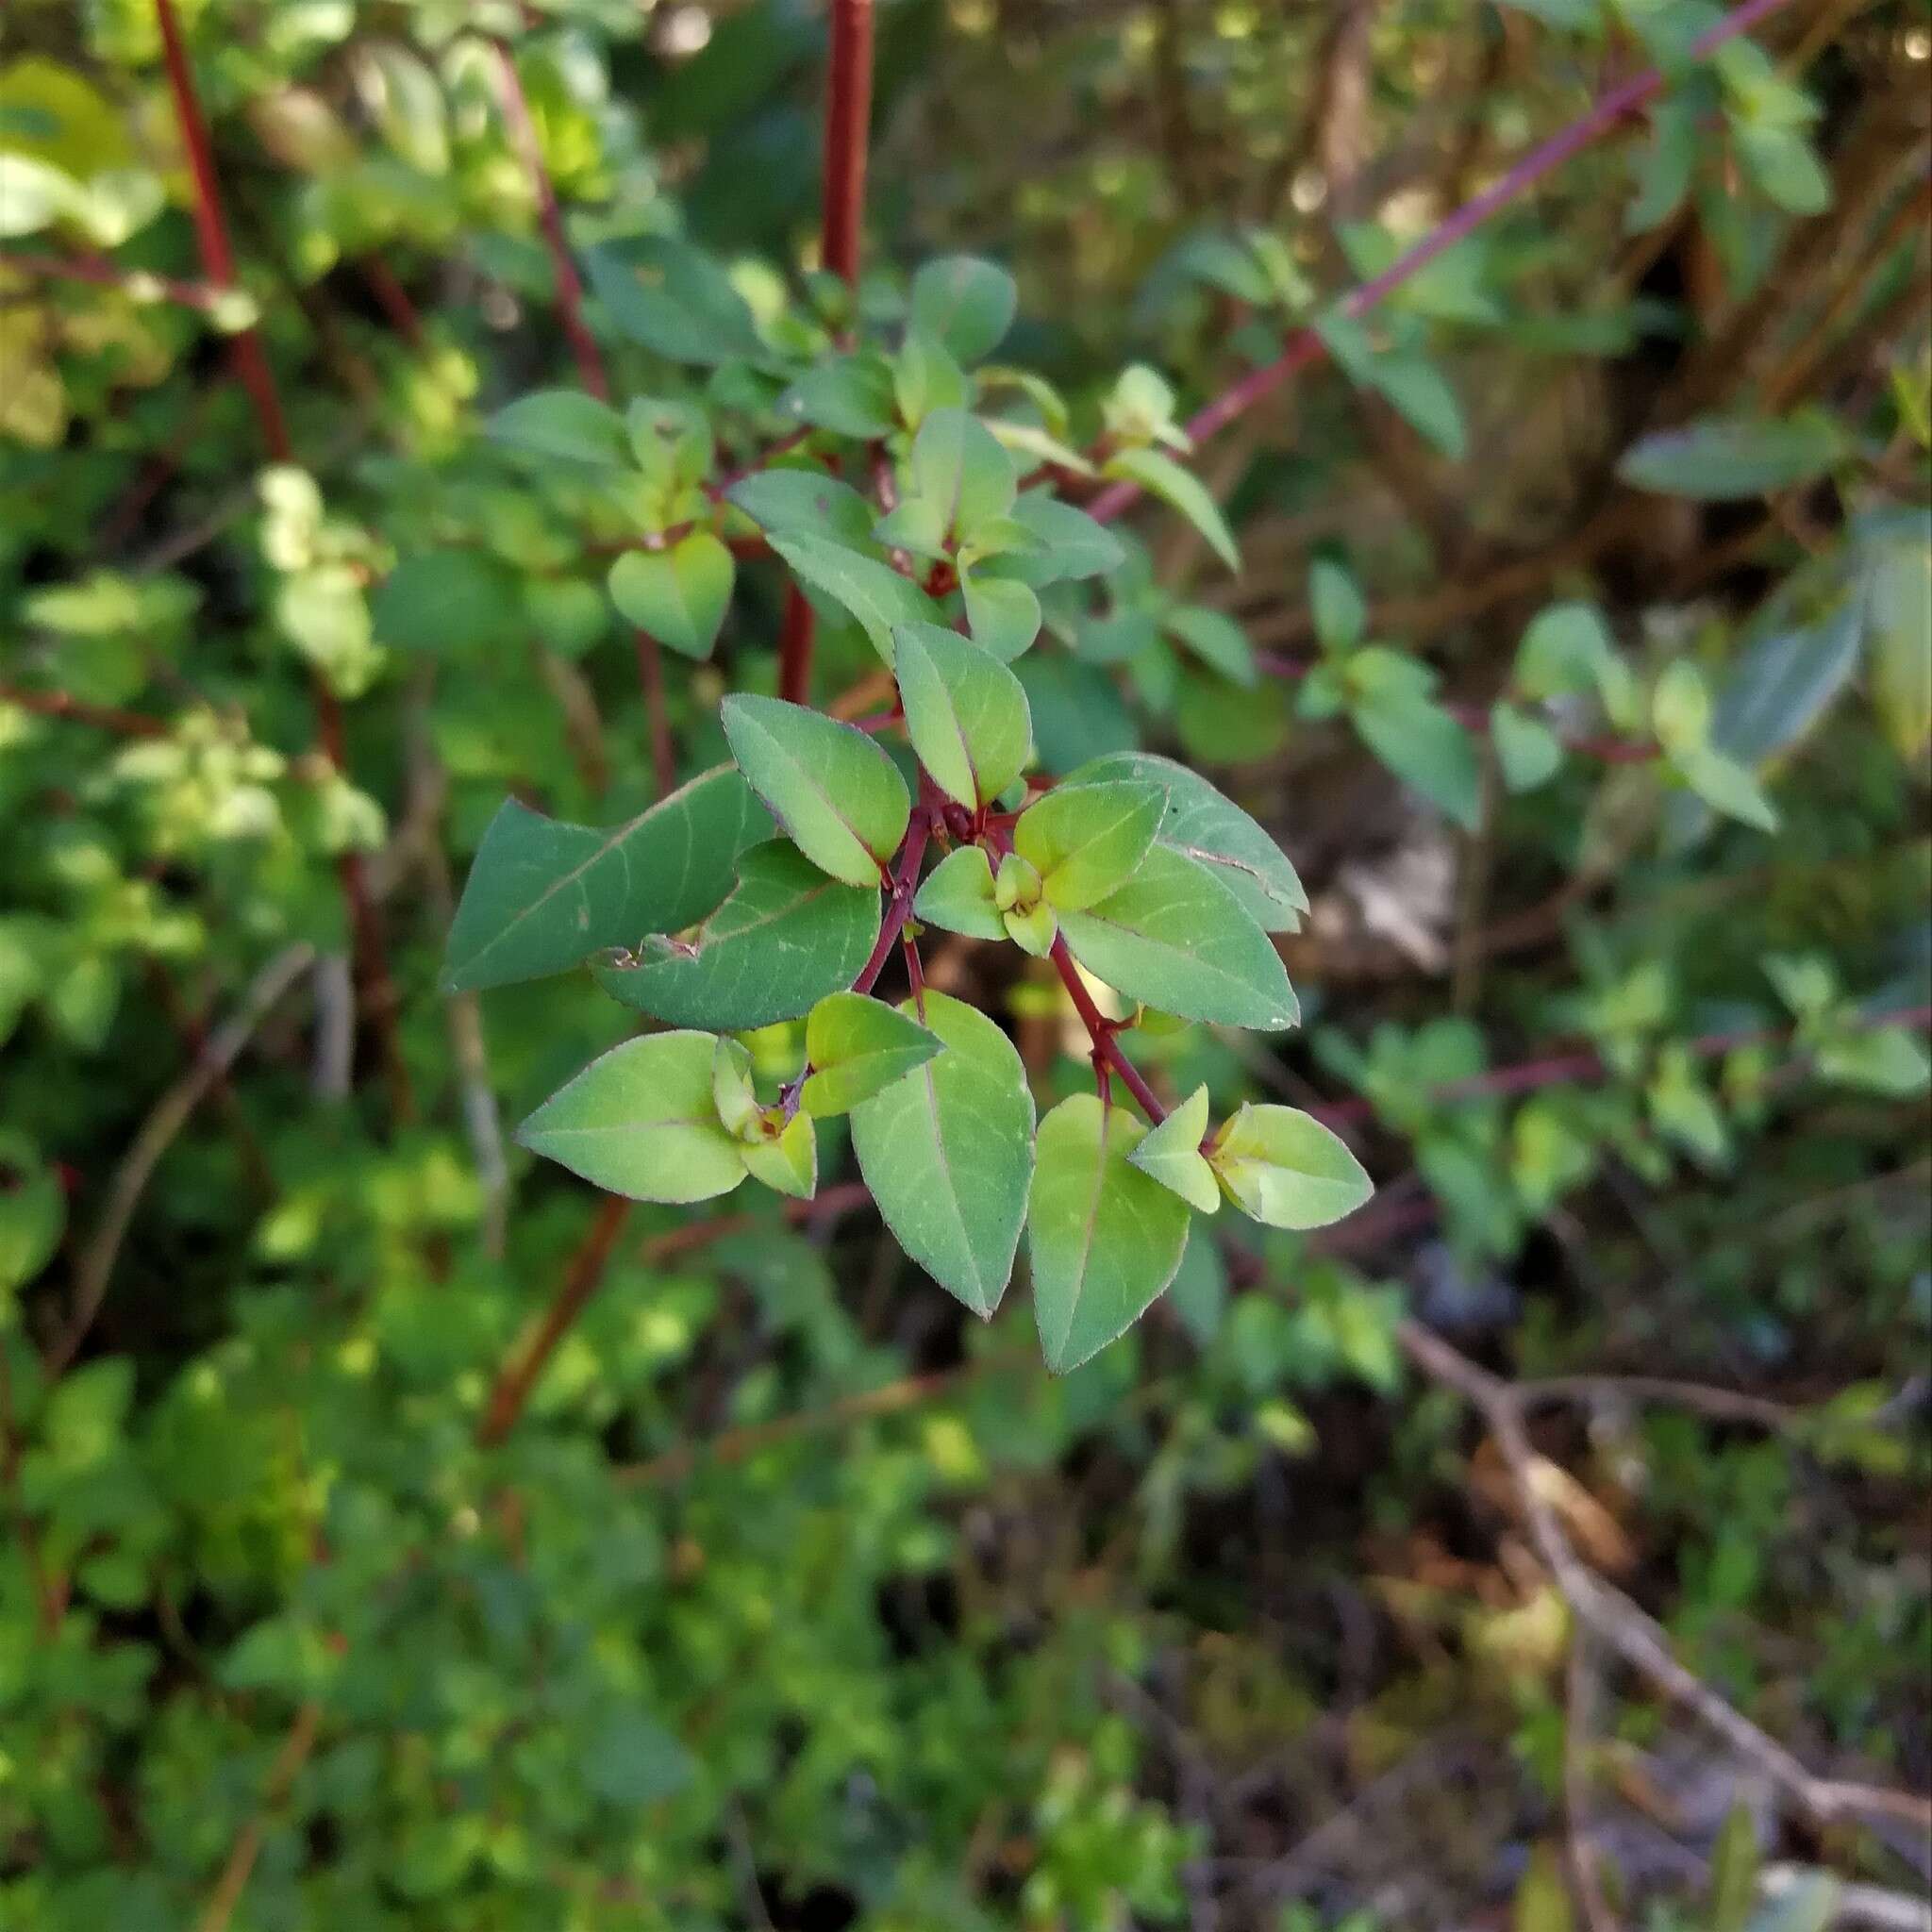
590 360
1306 346
218 262
904 879
1107 1057
57 704
570 288
393 299
1569 1069
651 677
139 284
794 648
848 118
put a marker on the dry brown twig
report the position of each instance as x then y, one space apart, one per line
1620 1624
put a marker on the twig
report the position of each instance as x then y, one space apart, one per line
1306 346
57 704
138 284
570 288
1719 1405
584 1276
157 1132
251 363
848 117
1579 1706
734 1445
581 1280
1618 1622
47 1595
289 1759
1107 1057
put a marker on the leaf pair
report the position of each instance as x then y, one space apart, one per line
676 1117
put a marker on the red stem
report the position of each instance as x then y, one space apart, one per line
905 877
570 288
1107 1057
57 704
139 283
848 118
218 262
1561 1070
251 361
590 360
393 299
1305 346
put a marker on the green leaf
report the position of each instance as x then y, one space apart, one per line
1071 544
33 1213
1784 684
1563 652
787 1161
804 503
34 195
1198 1294
1785 165
877 596
1202 824
1734 1867
1178 940
958 466
564 423
1342 616
1085 841
948 1151
856 1046
1680 707
1426 748
1421 396
1725 786
1003 613
1216 640
1160 476
543 896
674 299
734 1091
448 603
957 895
1665 165
642 1122
785 938
1102 1238
1528 753
965 304
1891 1061
679 595
965 713
1286 1169
917 527
835 795
1899 589
850 395
1720 458
1170 1153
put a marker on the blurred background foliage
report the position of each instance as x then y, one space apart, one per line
791 1600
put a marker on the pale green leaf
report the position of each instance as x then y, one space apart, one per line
1085 841
787 1161
642 1122
965 713
958 895
677 595
1286 1169
1177 939
1528 753
873 594
1002 614
1170 1153
964 303
948 1151
1160 476
1103 1239
855 1046
833 792
564 423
